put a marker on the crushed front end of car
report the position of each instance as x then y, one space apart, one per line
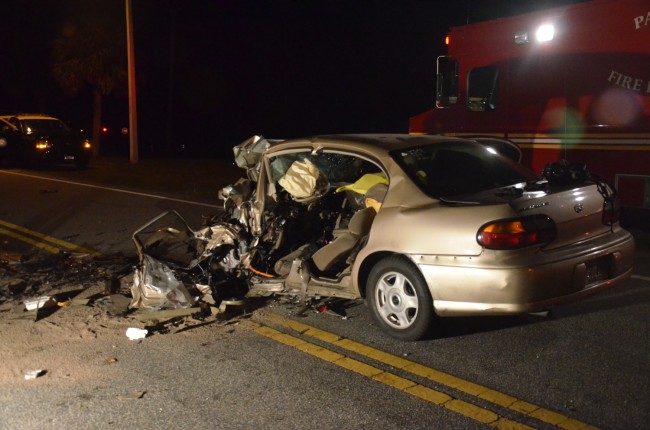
179 266
249 249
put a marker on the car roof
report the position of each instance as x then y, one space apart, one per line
28 116
370 143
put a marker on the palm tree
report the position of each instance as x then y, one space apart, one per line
90 53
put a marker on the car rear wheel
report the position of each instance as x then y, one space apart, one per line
399 299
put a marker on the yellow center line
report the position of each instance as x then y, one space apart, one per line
32 242
430 395
16 231
434 375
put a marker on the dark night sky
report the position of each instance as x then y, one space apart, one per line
223 70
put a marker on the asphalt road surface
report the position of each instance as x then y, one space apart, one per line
584 365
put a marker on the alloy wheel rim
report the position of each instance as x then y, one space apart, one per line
396 300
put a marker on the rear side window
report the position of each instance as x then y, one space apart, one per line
482 89
459 168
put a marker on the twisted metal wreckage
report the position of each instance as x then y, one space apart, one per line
245 251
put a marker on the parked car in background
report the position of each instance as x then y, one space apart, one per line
419 226
38 140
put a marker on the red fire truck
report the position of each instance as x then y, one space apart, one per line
565 83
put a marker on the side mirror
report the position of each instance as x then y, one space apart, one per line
446 81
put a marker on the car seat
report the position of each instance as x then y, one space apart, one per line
338 250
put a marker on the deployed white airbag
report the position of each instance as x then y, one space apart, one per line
300 180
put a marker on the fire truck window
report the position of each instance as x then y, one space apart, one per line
482 89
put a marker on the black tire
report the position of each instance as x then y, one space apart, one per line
399 299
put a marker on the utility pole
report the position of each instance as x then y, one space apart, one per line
170 92
133 112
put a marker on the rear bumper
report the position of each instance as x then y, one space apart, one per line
480 286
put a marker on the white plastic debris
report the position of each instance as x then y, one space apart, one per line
33 374
40 302
134 333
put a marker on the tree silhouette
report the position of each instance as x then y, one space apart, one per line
90 53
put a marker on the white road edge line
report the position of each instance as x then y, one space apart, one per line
112 189
643 278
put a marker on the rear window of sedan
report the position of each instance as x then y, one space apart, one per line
459 168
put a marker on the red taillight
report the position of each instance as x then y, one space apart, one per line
517 233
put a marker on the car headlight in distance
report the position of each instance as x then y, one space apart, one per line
517 233
43 145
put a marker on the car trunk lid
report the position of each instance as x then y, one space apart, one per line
576 210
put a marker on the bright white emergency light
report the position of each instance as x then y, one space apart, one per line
545 33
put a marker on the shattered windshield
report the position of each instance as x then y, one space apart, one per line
459 168
337 168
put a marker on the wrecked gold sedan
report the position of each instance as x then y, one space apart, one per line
419 226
